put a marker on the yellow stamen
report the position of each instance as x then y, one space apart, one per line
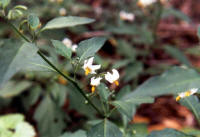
87 71
178 98
187 93
93 89
116 83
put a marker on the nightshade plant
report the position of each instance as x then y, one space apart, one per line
102 105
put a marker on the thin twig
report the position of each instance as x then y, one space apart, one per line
56 69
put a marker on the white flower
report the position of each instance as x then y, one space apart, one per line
62 11
89 68
112 78
95 82
126 16
67 42
74 47
144 3
186 94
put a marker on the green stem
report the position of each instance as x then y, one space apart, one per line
111 111
76 68
18 32
72 81
157 21
57 70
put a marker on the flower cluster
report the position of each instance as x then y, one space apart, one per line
186 94
95 81
126 16
68 43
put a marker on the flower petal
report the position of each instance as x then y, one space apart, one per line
95 67
194 90
109 77
90 61
115 74
95 81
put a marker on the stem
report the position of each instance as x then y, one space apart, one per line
111 111
72 81
76 68
18 32
156 21
57 70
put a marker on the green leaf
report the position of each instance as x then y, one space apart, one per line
103 92
89 47
173 81
121 63
12 88
32 97
144 36
177 54
124 29
132 71
168 133
195 51
126 49
33 21
198 32
101 60
14 57
59 92
61 49
50 118
192 103
191 131
137 130
16 123
94 122
123 91
79 104
36 63
69 21
141 32
20 7
140 130
14 14
79 133
104 129
4 3
127 106
176 13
